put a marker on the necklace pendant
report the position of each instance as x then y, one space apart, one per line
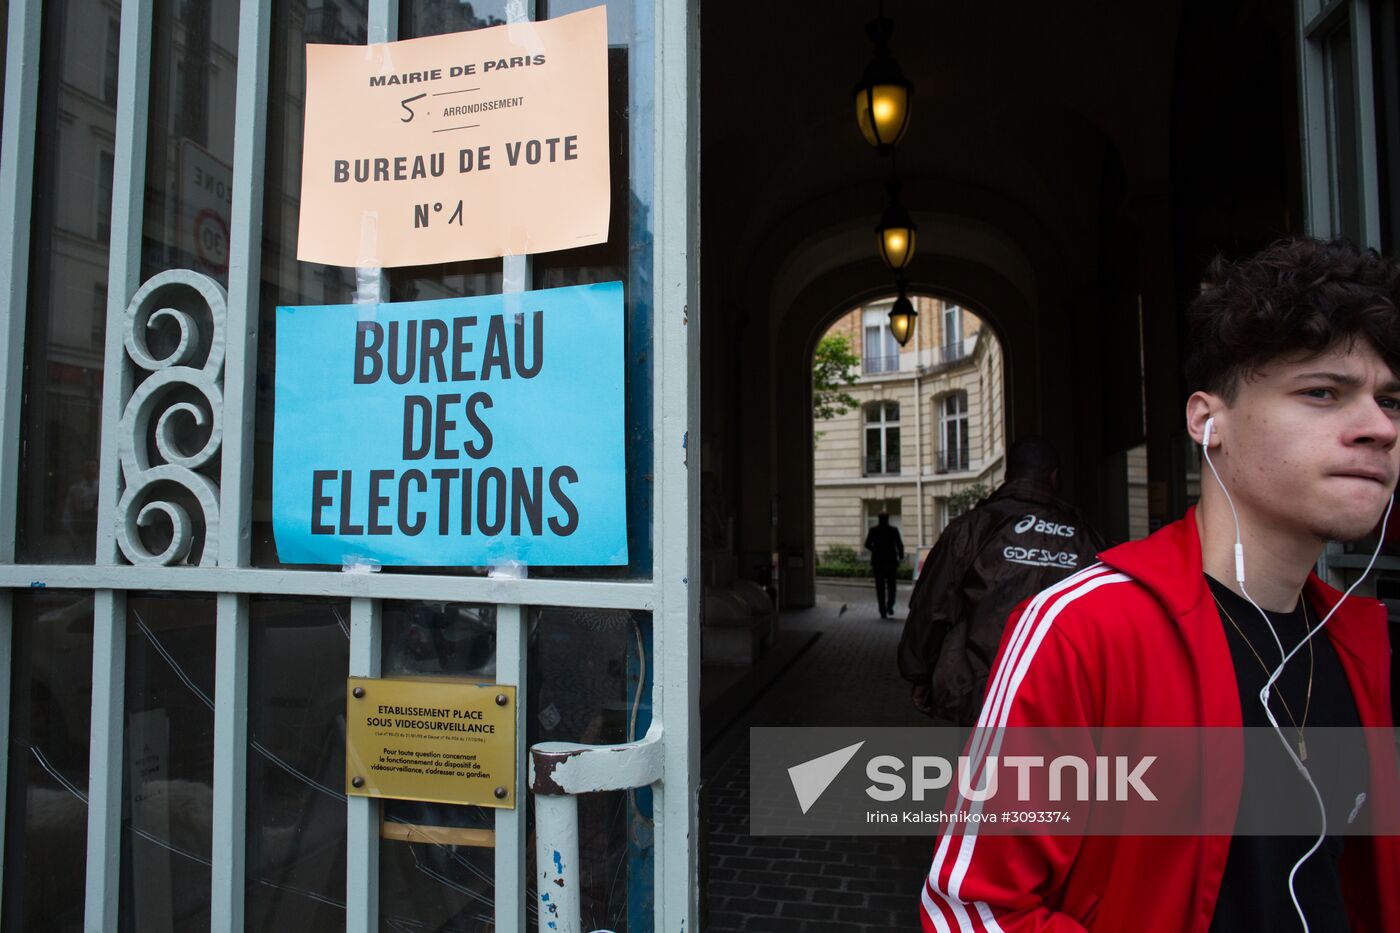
1302 750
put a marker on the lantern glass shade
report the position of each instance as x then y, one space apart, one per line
896 233
902 317
897 245
882 111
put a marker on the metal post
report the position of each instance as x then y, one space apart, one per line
556 863
674 130
16 185
512 649
230 822
16 198
363 814
511 839
1367 169
362 817
1312 122
109 606
105 762
227 887
559 772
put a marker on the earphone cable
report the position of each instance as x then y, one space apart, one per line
1286 657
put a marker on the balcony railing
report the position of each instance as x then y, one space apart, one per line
954 461
881 364
950 352
880 466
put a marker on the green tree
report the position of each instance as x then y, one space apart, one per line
965 498
833 369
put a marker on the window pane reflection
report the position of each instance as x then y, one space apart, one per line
186 218
590 681
299 654
189 143
167 800
284 280
50 718
66 321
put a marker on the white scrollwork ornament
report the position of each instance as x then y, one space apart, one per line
154 412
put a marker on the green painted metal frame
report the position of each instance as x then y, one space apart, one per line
16 183
109 604
676 694
671 125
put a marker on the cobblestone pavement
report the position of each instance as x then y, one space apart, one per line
815 884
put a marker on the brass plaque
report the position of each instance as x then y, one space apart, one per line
435 740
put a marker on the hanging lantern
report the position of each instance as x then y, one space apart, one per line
902 316
884 94
896 232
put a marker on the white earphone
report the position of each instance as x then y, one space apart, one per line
1239 545
1287 656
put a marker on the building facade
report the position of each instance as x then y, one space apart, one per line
928 430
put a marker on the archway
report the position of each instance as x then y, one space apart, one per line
915 431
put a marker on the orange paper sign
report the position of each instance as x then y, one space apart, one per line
485 143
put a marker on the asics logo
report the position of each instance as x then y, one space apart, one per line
1033 522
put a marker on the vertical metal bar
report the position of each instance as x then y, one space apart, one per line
383 23
17 145
124 259
230 824
104 843
1364 79
516 270
511 894
362 817
109 607
1312 123
363 813
16 191
674 132
511 652
244 282
556 863
371 284
511 656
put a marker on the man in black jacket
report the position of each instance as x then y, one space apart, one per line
1016 542
886 549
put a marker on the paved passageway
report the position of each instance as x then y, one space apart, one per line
845 677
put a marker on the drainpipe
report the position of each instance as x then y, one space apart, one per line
919 458
919 440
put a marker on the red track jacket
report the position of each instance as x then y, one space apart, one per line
1136 641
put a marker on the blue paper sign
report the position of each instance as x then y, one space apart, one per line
456 432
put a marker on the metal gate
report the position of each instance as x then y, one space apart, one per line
135 398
